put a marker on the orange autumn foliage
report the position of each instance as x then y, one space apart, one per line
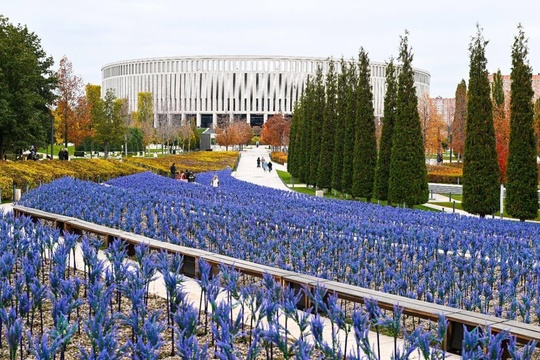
501 122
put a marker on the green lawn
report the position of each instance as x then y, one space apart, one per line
56 148
286 178
448 204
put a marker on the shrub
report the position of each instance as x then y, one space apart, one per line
447 174
278 157
6 188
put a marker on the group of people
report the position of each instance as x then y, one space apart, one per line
187 175
33 154
265 165
63 154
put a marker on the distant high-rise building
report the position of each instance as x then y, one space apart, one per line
506 84
446 107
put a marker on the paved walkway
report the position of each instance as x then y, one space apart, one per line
247 169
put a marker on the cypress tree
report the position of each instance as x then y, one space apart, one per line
316 121
522 170
365 146
349 124
305 153
325 168
408 172
497 89
382 171
295 140
341 109
480 167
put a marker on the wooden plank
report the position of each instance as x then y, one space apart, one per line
523 332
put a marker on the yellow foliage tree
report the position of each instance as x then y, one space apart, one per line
433 127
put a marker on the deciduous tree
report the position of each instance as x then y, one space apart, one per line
522 172
70 93
96 110
537 124
145 117
26 88
459 124
480 167
276 131
433 128
111 127
501 123
408 172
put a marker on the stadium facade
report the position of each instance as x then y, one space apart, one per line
251 88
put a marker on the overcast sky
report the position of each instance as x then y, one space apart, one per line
94 33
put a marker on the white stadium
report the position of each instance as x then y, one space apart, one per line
250 88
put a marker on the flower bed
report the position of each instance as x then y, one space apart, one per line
50 310
462 262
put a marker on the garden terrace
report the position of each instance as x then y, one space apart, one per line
456 318
482 265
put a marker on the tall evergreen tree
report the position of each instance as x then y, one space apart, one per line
459 124
382 171
522 170
480 167
295 140
341 108
330 123
317 114
365 146
497 88
408 172
303 159
349 124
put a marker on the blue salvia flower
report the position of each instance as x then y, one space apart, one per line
224 332
13 330
189 348
361 329
317 327
525 353
471 346
101 327
493 344
409 346
148 342
273 336
41 349
63 331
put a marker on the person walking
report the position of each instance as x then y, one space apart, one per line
215 181
269 166
258 162
173 171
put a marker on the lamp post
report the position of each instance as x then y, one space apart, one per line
52 133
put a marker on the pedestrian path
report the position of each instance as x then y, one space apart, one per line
247 169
